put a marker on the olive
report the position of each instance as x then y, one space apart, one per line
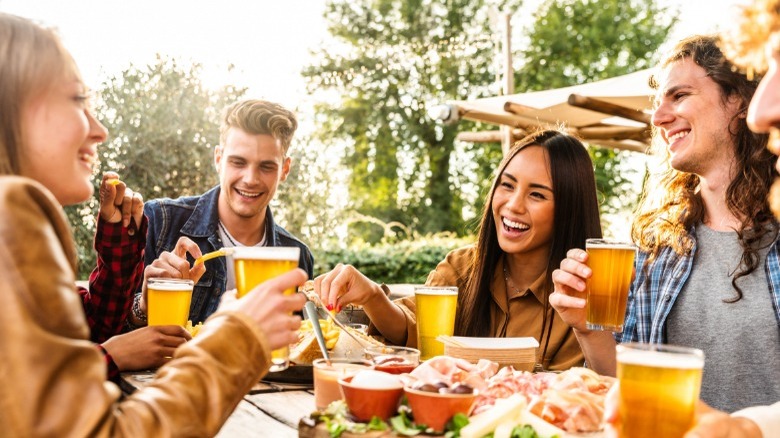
441 384
427 387
460 388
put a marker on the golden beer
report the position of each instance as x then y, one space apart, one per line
168 301
612 264
435 316
257 264
659 388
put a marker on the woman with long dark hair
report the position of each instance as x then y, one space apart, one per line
542 201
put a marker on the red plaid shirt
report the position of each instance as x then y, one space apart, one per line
119 271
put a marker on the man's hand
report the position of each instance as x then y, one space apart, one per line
147 347
174 265
119 203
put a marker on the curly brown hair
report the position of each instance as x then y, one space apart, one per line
744 45
666 215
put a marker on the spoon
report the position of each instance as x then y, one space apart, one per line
213 254
311 312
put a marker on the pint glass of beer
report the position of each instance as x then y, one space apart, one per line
256 264
659 388
435 316
612 264
168 300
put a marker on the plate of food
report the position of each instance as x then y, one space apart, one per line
306 350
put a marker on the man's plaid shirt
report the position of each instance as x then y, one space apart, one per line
656 288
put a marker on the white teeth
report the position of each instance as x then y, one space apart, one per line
677 136
87 158
518 225
247 194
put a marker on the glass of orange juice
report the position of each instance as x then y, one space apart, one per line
257 264
168 300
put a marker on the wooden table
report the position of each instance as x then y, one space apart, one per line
269 410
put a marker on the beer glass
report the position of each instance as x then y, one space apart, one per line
435 316
659 389
168 301
612 264
257 264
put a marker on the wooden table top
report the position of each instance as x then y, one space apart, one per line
269 410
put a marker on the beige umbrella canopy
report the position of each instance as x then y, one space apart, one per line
613 112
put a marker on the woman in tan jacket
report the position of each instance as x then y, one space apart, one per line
53 378
543 199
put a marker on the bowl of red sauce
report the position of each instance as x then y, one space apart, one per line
392 359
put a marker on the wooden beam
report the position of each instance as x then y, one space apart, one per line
498 119
488 136
508 139
616 133
622 145
608 108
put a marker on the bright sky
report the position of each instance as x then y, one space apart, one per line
268 41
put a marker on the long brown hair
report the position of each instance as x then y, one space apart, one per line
576 219
666 215
32 57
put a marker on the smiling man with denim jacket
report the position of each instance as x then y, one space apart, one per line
251 160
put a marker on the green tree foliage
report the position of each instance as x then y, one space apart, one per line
391 59
578 41
406 261
163 124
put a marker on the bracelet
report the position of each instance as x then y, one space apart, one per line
139 314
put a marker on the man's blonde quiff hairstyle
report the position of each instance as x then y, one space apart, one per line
33 58
259 117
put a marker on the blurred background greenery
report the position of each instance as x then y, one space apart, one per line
377 183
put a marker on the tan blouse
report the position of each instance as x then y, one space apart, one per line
512 315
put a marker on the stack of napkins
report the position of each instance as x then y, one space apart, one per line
517 352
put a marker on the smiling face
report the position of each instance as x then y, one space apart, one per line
60 138
523 205
693 120
250 168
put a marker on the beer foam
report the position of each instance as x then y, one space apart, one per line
435 291
628 246
170 285
267 253
660 359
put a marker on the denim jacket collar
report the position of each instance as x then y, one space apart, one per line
205 218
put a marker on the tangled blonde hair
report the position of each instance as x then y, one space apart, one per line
33 58
744 45
259 117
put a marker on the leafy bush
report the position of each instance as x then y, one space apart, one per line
404 261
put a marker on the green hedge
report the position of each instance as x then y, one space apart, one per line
406 261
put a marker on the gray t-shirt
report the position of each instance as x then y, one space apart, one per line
741 340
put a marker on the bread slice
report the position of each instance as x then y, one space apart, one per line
307 349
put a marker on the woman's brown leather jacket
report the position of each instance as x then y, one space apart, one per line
53 380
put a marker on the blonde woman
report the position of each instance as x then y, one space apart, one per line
53 377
